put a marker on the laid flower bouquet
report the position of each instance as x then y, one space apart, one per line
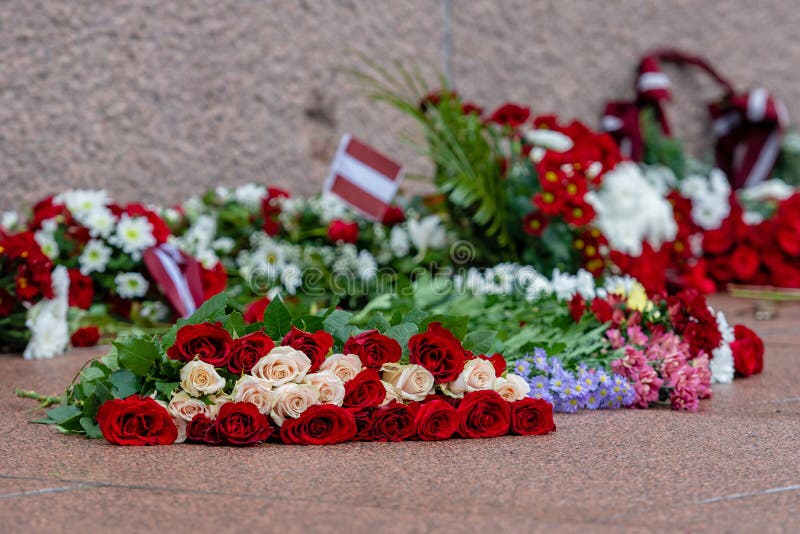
212 379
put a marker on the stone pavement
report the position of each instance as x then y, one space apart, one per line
734 466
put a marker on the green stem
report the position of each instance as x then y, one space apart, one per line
44 400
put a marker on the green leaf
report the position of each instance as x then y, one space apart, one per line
125 383
402 333
480 341
92 373
310 323
91 428
235 324
64 414
166 388
277 320
416 316
137 355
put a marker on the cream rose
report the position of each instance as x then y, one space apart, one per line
281 366
180 423
293 399
414 382
345 366
478 374
199 378
392 394
330 387
184 406
512 388
255 391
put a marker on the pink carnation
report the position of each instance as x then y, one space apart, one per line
685 384
647 384
615 338
636 336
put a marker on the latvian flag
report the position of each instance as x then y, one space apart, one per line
363 177
177 275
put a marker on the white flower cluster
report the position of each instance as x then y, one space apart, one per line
47 320
249 195
200 240
710 198
277 262
631 211
721 364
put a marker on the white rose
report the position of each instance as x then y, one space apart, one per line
413 381
330 387
392 394
478 374
282 365
512 388
180 423
184 406
292 400
199 378
344 366
256 391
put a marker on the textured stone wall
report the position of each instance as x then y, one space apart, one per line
153 99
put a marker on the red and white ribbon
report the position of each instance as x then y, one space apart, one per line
178 276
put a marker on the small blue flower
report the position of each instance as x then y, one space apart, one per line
522 367
540 360
593 401
566 406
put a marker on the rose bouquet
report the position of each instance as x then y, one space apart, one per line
314 379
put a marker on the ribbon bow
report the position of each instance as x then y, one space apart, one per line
177 275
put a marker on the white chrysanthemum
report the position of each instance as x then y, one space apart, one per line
769 189
660 177
154 311
223 193
721 365
47 320
427 233
328 207
549 139
94 257
131 285
9 220
291 278
133 235
398 242
171 215
47 242
81 202
100 222
250 195
630 211
366 268
193 207
709 196
223 245
207 258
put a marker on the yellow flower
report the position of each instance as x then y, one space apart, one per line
637 298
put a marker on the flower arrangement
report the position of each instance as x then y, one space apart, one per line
212 379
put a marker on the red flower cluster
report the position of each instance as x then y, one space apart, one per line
271 209
86 336
767 253
691 318
343 232
25 271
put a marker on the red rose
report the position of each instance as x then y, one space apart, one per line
208 341
240 423
255 311
321 424
745 263
315 346
214 280
498 362
438 351
483 414
343 231
510 115
364 391
86 336
394 422
748 351
363 420
81 290
532 417
200 429
247 350
373 348
436 420
136 421
393 215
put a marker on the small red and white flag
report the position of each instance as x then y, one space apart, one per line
177 275
363 177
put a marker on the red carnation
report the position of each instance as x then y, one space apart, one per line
602 310
745 263
748 351
436 420
510 114
240 423
393 215
255 310
247 350
530 417
7 303
374 349
136 421
321 424
577 306
86 336
341 231
315 346
81 290
394 422
207 341
438 351
364 391
483 414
